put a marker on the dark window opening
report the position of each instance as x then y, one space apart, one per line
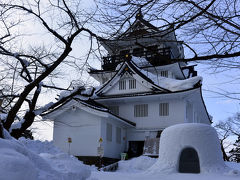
124 52
189 161
152 50
135 148
138 52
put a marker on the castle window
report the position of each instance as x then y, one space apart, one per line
164 109
164 73
114 109
122 84
118 135
124 52
141 110
152 50
109 132
138 52
132 84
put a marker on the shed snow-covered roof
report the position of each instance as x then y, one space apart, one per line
86 104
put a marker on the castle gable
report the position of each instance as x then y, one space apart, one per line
129 80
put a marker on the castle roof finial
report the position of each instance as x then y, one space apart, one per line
139 14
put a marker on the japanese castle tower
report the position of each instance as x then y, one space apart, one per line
144 88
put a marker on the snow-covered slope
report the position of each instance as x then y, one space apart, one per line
19 162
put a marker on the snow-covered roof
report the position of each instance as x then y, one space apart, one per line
140 27
86 104
143 29
174 68
170 83
154 81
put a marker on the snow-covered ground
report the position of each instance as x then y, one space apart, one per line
136 169
35 160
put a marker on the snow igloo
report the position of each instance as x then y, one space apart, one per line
189 148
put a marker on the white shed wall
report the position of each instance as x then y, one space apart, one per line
84 130
113 149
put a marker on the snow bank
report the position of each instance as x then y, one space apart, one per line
233 165
67 167
202 138
136 164
17 162
39 147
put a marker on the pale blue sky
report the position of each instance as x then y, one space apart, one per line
220 108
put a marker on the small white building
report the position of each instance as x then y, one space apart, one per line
142 91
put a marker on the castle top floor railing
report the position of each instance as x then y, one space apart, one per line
155 57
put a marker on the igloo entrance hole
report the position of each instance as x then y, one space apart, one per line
189 161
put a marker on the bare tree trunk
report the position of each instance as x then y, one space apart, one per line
225 157
13 112
29 116
17 133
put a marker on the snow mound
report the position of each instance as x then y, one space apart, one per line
233 165
70 167
17 162
15 165
136 164
39 147
199 137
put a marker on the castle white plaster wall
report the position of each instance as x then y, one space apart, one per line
84 130
153 120
189 112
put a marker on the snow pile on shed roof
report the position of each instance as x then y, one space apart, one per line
202 138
